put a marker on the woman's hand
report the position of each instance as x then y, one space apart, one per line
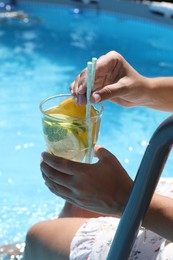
115 80
102 187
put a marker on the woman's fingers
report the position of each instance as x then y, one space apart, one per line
65 189
109 70
103 154
78 86
55 176
62 165
57 189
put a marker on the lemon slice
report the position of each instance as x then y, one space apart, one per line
71 147
70 108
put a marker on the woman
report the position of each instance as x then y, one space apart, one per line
96 194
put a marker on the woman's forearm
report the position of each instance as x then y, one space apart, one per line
159 217
160 93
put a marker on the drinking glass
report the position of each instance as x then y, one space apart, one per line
67 135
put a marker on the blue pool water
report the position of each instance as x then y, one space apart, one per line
41 59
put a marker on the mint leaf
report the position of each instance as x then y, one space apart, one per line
54 131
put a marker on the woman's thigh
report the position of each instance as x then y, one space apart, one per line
50 240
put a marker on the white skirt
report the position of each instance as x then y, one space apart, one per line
93 240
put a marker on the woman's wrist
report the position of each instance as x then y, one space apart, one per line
159 92
159 216
148 91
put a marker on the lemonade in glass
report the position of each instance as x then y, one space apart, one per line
65 127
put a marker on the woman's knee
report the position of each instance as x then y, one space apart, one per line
51 239
33 245
34 233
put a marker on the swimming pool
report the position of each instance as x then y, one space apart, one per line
41 58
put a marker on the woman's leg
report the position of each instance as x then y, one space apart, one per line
51 240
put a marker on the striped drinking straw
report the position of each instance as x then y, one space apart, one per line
91 67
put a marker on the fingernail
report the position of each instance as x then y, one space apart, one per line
76 99
81 100
80 88
96 98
